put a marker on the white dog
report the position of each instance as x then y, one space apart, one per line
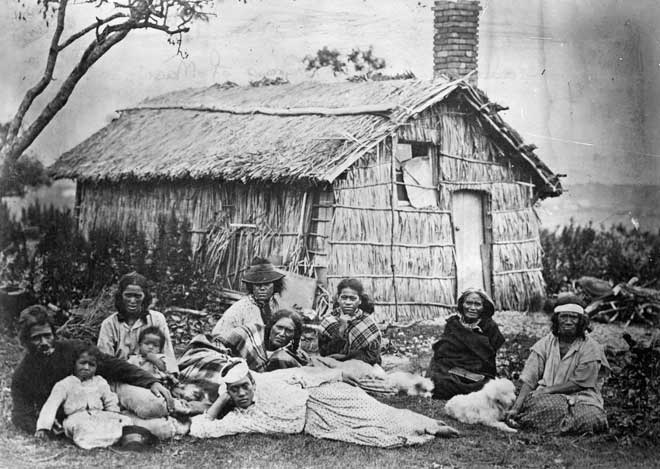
411 384
487 406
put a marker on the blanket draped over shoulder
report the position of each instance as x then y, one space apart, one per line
471 350
361 340
249 342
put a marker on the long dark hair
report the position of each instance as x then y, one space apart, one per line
583 321
297 325
366 304
132 278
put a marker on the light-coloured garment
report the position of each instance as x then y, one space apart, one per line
314 400
245 312
118 339
141 362
92 409
583 364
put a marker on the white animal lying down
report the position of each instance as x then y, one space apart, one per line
411 384
487 406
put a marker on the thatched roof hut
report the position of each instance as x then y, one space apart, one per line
418 188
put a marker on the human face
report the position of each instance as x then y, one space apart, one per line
133 296
263 291
42 339
150 344
242 392
349 301
568 322
282 332
473 307
85 367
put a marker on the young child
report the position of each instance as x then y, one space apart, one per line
91 408
151 358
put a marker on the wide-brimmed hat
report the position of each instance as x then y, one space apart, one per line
261 271
135 438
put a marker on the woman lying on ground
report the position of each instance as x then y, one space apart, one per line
275 346
563 377
263 284
464 356
350 332
316 401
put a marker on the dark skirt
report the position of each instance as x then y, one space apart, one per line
447 385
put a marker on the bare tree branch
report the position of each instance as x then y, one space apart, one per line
43 82
89 28
95 51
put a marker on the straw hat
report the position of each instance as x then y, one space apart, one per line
261 271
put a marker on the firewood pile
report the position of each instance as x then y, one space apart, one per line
626 302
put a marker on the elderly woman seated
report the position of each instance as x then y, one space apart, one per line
317 401
563 377
275 346
464 356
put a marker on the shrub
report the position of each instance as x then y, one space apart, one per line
614 254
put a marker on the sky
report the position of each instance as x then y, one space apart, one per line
581 77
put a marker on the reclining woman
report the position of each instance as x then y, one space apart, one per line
317 401
563 377
275 346
263 284
350 332
464 356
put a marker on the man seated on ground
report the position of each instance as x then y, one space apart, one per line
48 360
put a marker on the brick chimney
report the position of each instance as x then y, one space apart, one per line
456 38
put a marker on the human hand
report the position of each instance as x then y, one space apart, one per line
338 356
41 434
159 390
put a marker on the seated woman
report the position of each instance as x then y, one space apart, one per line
272 347
563 377
314 401
464 356
350 332
119 337
263 284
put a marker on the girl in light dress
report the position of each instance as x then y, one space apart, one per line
92 418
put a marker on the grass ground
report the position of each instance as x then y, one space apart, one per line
477 447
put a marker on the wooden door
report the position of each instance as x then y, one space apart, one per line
472 253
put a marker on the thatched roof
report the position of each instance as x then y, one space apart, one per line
308 131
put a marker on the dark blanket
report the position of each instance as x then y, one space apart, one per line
464 348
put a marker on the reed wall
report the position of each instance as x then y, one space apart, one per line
235 221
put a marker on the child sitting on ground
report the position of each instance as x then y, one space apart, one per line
152 360
91 408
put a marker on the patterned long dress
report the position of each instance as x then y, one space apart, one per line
314 401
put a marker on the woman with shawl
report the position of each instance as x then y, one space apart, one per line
350 332
272 347
464 356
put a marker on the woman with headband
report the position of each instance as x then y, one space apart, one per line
563 376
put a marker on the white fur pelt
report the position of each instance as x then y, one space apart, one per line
411 384
488 406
